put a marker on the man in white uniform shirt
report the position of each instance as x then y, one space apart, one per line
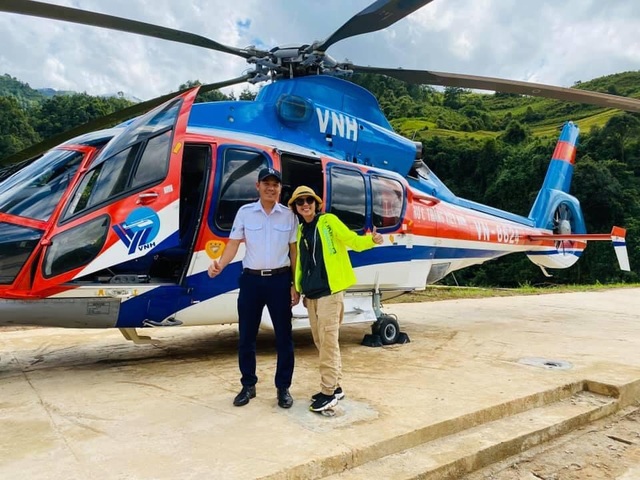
269 232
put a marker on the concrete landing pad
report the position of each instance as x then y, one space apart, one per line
86 404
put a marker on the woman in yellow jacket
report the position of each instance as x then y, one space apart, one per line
323 273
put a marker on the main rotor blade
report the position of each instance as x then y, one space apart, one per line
108 121
68 14
376 16
424 77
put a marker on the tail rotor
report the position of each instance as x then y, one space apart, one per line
563 225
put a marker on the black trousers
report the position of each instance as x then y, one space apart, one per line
256 292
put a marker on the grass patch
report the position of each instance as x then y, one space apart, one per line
598 120
434 293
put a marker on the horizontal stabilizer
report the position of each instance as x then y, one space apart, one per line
617 236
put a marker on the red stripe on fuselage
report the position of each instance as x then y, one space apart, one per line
565 151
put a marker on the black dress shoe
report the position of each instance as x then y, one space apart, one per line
246 394
284 398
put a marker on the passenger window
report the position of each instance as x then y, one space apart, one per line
239 169
387 201
348 199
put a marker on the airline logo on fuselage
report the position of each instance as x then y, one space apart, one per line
337 124
139 230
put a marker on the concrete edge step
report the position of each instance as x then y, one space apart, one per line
478 447
352 458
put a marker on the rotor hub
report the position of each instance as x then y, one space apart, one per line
295 61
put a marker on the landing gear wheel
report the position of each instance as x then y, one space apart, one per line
387 328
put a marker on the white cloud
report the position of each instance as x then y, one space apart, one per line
543 41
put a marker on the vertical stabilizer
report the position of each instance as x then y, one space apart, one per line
560 170
553 203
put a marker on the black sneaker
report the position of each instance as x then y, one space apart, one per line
338 393
323 402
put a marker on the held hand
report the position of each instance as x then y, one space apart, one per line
295 296
377 238
214 269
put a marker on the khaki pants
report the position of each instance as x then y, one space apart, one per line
325 316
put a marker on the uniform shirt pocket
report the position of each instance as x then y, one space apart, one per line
254 232
283 231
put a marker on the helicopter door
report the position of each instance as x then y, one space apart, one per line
125 208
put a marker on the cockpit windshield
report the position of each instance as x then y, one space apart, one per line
35 190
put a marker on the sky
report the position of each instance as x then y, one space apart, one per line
543 41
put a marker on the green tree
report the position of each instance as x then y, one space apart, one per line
531 115
621 128
16 133
453 97
515 133
22 92
63 112
247 94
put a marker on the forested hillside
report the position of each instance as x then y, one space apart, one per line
491 148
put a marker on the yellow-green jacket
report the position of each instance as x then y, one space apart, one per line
335 237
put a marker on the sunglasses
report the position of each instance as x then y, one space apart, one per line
307 200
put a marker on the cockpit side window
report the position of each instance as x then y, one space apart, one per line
75 247
139 166
112 179
103 182
151 168
135 159
161 119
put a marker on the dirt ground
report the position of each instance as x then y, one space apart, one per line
608 449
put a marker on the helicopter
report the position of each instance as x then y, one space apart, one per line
114 227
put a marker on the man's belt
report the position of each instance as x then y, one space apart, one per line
268 272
